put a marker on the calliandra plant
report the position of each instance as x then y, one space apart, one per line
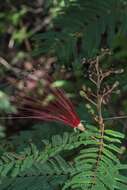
41 99
95 161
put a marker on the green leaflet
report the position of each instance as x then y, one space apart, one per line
83 175
121 178
111 139
82 166
15 171
110 155
27 163
77 182
106 161
122 166
9 155
113 147
34 151
120 186
107 181
54 166
85 156
114 133
65 138
89 150
65 167
6 169
56 140
98 186
91 142
89 160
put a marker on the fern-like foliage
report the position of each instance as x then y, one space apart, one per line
45 165
80 28
99 167
94 167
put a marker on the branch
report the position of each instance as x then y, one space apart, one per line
116 117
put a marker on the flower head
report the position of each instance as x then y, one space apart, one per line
43 100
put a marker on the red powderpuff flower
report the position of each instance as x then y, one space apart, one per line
50 104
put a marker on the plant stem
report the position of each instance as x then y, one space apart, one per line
100 117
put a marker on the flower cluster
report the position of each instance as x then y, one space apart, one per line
41 99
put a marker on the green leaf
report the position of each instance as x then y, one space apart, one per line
107 180
113 147
120 186
110 155
6 169
114 133
27 163
84 156
111 139
121 178
88 150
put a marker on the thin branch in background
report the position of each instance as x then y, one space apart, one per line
15 70
5 63
116 117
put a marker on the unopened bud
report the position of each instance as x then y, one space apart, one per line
119 71
116 84
84 88
91 110
82 93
